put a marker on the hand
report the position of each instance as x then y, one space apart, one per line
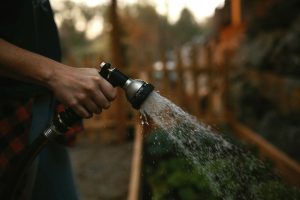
82 89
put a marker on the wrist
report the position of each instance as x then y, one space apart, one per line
51 74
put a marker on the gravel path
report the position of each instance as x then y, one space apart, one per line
102 170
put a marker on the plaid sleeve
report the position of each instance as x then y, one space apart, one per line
15 123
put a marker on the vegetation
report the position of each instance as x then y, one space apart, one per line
169 175
144 32
271 47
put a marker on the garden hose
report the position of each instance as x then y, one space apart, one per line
136 91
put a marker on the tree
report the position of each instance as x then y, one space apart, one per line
185 28
143 27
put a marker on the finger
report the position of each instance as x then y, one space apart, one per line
101 100
99 111
82 112
107 89
91 106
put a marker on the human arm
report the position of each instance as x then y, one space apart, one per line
82 89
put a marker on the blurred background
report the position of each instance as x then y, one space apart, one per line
234 64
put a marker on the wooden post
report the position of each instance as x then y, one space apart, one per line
136 164
195 75
180 89
165 84
211 80
236 18
224 77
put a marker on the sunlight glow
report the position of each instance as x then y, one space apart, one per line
95 27
201 9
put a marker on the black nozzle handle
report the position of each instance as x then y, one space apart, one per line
65 119
112 75
104 70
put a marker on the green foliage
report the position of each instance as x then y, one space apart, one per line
262 114
267 22
283 130
274 190
250 104
172 176
169 175
171 181
186 28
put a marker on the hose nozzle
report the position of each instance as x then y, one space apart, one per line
136 90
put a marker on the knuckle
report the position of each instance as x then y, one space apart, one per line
82 97
89 87
90 115
73 103
97 78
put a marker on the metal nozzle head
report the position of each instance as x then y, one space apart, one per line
137 92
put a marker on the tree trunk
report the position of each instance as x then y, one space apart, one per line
118 61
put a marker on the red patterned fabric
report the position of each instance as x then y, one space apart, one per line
15 123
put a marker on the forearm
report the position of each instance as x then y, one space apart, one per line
82 89
20 64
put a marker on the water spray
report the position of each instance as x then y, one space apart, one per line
136 92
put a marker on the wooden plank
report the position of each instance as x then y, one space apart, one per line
285 166
134 185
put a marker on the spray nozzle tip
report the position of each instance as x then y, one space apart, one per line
140 94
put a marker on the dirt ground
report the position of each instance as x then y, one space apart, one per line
101 170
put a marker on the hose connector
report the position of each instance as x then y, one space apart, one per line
136 90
